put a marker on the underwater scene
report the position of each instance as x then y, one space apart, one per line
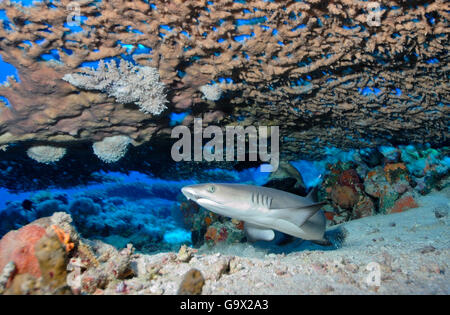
230 147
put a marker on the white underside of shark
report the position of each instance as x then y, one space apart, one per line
262 209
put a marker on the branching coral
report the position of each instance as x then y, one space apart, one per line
127 83
318 68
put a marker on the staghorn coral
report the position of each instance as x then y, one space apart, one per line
317 68
126 82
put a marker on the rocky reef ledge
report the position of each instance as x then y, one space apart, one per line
410 250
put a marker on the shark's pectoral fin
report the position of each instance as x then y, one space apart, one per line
256 233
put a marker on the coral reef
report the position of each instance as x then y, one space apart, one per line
126 83
408 264
211 92
327 74
154 216
38 256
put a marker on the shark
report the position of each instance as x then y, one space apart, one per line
263 210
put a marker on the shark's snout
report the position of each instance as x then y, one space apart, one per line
189 193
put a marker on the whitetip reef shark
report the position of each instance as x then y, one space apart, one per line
263 210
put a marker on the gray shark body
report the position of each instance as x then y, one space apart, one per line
262 209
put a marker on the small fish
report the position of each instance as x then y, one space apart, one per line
27 204
263 210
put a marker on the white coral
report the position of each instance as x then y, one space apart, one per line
211 92
127 84
111 149
46 154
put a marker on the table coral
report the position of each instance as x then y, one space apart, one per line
321 69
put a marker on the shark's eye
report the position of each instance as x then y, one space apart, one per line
211 189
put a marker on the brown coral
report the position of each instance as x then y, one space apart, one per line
329 48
